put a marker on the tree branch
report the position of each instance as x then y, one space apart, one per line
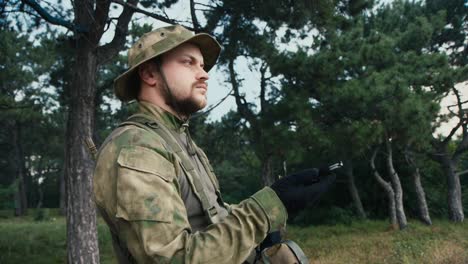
195 23
464 102
134 8
459 103
463 122
461 148
101 14
240 100
376 173
6 107
54 20
263 84
200 4
461 173
106 52
452 132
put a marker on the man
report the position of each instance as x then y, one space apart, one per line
156 189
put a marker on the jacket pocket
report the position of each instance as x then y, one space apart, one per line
144 185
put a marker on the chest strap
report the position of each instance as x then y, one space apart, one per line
145 122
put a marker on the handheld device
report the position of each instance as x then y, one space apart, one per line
335 166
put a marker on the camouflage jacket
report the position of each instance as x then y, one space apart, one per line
142 192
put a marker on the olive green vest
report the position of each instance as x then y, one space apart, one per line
214 209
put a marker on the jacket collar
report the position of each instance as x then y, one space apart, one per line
168 119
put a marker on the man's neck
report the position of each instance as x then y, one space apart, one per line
154 96
164 106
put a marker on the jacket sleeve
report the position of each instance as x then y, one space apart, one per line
153 220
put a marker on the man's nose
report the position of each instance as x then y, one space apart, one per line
202 74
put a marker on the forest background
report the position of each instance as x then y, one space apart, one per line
357 81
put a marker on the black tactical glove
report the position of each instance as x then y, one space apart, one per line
304 187
324 171
271 239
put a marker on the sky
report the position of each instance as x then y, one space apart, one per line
218 88
451 100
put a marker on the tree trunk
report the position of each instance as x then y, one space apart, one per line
41 196
423 210
455 204
268 178
388 190
21 202
353 190
454 194
40 173
449 160
82 243
62 189
88 27
400 210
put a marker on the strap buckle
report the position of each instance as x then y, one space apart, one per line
213 215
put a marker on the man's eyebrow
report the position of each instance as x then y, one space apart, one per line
191 57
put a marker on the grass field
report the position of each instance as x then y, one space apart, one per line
23 240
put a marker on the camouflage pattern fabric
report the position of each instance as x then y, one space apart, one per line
155 43
138 192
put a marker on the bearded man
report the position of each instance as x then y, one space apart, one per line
156 189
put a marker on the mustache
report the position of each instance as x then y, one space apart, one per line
200 84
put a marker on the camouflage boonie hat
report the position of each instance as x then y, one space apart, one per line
155 43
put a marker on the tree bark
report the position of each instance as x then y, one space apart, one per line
82 243
261 147
90 20
40 172
268 178
449 161
395 179
455 204
62 189
449 165
41 196
423 210
388 190
348 169
21 202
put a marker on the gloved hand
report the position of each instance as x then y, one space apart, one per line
324 171
301 188
271 239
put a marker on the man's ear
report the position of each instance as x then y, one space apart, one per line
148 73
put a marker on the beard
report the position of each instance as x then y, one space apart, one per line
188 106
185 106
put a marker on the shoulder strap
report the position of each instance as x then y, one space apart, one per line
297 251
285 252
145 122
206 163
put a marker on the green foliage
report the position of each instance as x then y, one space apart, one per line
373 80
6 196
331 215
375 242
366 74
361 241
233 160
454 28
22 106
24 240
42 214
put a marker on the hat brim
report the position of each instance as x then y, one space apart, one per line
126 85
